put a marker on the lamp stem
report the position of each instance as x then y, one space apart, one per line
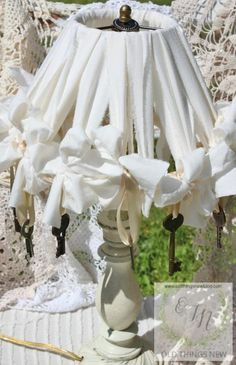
118 298
118 303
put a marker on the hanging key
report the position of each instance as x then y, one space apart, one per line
60 234
16 222
27 232
132 256
131 248
172 224
220 220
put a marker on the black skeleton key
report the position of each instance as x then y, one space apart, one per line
220 220
131 248
172 224
132 256
26 232
60 234
16 222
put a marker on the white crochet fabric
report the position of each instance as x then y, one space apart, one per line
44 283
210 29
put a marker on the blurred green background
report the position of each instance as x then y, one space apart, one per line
151 264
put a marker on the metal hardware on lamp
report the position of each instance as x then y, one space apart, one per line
125 23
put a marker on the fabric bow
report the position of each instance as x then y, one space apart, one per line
89 172
35 149
222 151
225 127
191 187
28 181
24 142
12 109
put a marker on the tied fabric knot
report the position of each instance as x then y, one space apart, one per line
22 146
30 153
191 187
225 126
141 177
28 181
89 172
13 139
12 148
27 143
222 151
82 176
12 110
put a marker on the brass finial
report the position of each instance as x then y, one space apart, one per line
125 14
125 23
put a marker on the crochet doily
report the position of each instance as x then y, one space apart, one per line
44 283
210 29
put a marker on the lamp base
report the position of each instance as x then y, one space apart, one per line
118 303
133 356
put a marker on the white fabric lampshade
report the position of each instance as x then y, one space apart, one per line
135 78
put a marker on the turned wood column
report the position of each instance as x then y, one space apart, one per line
118 298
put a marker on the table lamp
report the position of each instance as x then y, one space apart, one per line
85 128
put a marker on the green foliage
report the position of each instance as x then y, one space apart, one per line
152 262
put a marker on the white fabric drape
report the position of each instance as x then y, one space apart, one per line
129 76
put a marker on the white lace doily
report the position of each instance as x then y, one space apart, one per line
45 283
210 29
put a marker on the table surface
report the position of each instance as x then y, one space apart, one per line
66 330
